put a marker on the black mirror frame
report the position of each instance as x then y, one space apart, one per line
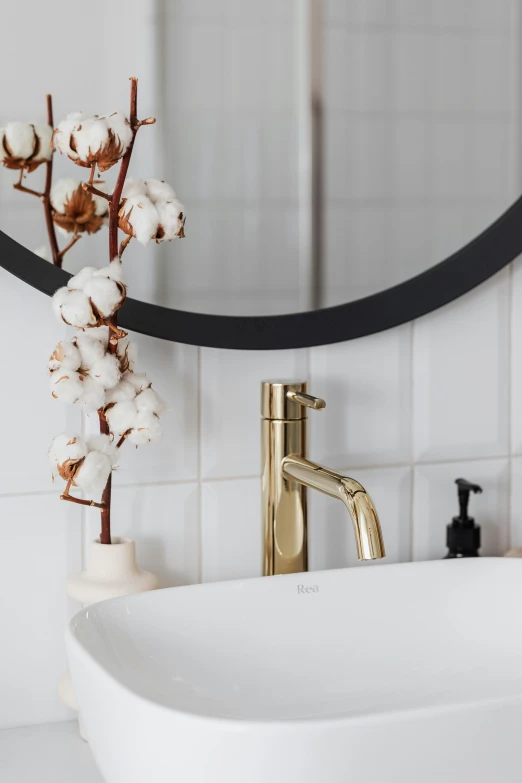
473 264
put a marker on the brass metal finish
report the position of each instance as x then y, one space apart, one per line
366 524
285 475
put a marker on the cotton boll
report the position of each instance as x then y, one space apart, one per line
61 192
147 429
134 187
44 134
90 137
66 385
158 190
138 380
121 417
91 350
93 473
105 295
59 298
66 447
120 126
66 356
123 391
169 213
149 400
61 139
93 397
141 215
76 310
78 281
104 445
20 139
106 371
114 271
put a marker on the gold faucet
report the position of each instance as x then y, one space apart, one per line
285 475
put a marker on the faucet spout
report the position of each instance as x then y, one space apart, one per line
366 525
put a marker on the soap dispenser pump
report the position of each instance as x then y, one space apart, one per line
463 535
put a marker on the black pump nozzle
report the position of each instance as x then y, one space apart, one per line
465 487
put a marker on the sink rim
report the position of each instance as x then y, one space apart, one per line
268 723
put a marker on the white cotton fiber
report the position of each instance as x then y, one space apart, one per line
123 391
44 134
75 309
114 271
66 447
146 429
142 216
66 385
66 355
120 126
91 349
94 472
78 281
105 295
101 205
62 134
149 401
104 445
158 190
59 298
90 137
169 217
20 139
106 371
61 193
138 380
134 187
93 396
121 417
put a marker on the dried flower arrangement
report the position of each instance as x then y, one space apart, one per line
96 371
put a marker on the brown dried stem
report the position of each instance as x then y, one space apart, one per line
105 536
73 241
55 251
95 192
72 499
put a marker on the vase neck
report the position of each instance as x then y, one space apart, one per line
113 561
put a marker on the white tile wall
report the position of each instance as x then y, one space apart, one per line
409 410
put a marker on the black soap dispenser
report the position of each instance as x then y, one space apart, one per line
463 535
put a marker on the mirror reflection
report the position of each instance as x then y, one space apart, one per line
324 150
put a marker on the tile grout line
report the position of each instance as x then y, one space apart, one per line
412 442
509 400
199 470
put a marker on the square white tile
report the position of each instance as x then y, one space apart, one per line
435 503
40 547
461 376
164 522
331 542
231 534
173 370
366 384
32 417
231 406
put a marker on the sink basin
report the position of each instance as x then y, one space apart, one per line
393 673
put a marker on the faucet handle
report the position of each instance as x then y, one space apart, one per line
309 401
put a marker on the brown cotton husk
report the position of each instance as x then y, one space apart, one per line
79 214
67 470
105 157
29 164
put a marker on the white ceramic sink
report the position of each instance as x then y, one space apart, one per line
409 673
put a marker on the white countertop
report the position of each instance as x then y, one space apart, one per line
52 753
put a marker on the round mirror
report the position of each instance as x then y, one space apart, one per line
325 150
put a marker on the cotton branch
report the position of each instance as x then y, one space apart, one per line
57 257
114 207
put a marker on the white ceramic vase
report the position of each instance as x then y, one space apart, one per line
111 573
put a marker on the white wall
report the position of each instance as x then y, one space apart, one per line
408 411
